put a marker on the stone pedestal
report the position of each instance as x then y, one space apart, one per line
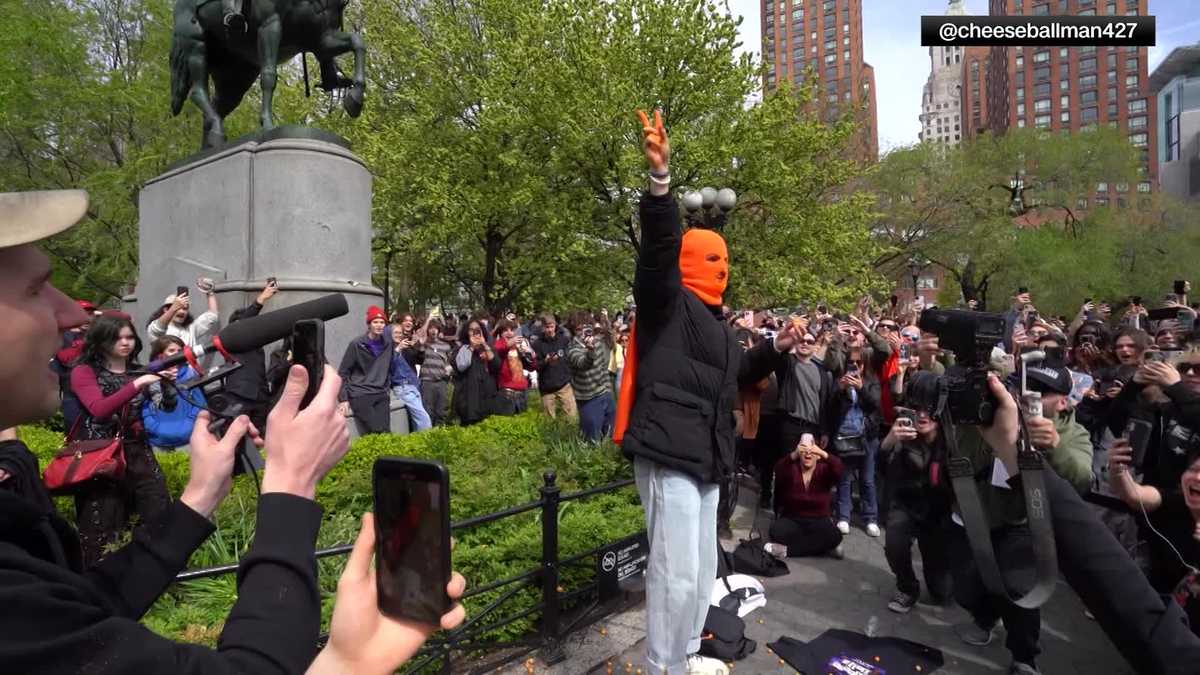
297 209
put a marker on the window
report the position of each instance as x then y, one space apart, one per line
830 46
1089 115
1020 61
1112 77
1137 122
1112 114
813 50
1042 105
1042 121
1041 10
1062 52
1041 57
1064 101
1064 116
1112 94
829 58
1021 123
1064 85
1041 74
1087 12
1131 81
813 36
1143 186
829 5
1041 89
1020 110
1131 64
1140 139
1111 60
798 14
1087 82
845 28
846 40
846 96
1081 203
830 33
1020 93
1087 65
1137 106
1085 51
1087 97
1101 201
846 56
1101 187
1132 11
1111 9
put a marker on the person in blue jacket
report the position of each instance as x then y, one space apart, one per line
167 413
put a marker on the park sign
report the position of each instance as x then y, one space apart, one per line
621 566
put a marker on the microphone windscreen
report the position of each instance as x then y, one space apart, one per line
248 334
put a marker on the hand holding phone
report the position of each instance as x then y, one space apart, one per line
412 526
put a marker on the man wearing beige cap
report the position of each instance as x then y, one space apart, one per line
61 618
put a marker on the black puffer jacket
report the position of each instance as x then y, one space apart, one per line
689 363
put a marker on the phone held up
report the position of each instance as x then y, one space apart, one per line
906 418
412 538
1138 433
181 291
308 350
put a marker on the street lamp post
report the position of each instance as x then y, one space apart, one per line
709 207
915 265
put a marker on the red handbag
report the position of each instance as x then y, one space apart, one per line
81 462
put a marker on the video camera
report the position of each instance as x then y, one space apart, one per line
971 336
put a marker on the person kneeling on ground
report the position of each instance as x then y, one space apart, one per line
804 484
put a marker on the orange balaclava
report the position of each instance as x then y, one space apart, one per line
704 266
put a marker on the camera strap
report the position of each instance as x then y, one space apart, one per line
979 532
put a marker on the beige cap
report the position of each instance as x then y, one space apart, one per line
26 217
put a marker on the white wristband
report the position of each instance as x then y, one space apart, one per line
660 181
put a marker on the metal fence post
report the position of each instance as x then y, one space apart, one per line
552 651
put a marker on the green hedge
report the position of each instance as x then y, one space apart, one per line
493 466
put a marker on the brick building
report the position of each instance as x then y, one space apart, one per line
823 38
1068 88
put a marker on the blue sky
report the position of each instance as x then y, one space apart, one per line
892 42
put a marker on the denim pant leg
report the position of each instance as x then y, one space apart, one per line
844 490
681 524
867 497
411 396
591 418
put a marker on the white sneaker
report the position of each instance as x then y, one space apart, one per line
777 550
843 527
703 665
872 530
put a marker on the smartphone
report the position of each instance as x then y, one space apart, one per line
308 350
1180 287
272 281
852 369
806 439
1154 356
1138 433
905 351
1163 313
906 418
412 538
1185 319
181 291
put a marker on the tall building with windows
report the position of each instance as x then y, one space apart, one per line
973 105
823 38
1072 88
941 100
1176 85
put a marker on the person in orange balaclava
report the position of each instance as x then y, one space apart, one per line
675 413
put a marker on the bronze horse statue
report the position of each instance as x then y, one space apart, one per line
275 31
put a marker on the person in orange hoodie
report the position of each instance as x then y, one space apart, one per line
675 414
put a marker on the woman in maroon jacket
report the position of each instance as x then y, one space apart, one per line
804 484
107 390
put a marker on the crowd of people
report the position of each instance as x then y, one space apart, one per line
825 413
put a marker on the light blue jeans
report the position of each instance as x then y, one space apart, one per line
411 396
681 524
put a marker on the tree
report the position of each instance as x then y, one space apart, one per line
506 153
965 207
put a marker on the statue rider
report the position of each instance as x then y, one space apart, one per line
235 22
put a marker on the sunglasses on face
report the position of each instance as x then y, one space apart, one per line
885 326
1189 368
856 363
808 341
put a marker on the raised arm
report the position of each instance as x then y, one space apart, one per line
657 279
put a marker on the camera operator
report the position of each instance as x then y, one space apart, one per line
588 358
72 620
918 495
1067 449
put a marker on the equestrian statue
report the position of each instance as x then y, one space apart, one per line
238 41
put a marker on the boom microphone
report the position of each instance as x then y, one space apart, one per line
255 332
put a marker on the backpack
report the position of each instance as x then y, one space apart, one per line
724 636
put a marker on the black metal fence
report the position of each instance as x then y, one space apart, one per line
555 623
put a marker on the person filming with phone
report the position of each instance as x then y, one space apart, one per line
75 618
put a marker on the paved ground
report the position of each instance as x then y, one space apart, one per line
825 593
